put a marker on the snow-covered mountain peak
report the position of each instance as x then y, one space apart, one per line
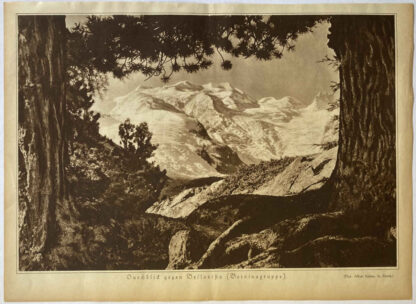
201 128
226 86
285 102
184 85
222 86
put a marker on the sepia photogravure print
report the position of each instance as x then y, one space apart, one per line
193 142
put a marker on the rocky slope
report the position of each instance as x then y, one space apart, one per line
211 130
288 176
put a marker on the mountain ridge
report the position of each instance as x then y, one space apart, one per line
235 125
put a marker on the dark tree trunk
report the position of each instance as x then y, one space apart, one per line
42 189
364 178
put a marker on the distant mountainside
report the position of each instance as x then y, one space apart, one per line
211 130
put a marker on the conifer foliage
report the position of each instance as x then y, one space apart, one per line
162 45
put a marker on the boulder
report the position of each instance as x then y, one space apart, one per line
185 247
179 255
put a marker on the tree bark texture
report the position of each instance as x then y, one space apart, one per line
364 178
41 144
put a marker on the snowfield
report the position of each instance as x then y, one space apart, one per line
180 114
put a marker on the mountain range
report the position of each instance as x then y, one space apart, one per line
211 130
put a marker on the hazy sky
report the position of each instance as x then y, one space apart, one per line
296 74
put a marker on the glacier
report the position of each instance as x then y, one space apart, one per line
211 129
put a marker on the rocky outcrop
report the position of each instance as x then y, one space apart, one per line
304 173
185 202
185 248
280 178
